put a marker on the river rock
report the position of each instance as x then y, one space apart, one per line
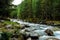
14 35
43 22
49 32
2 21
48 38
34 37
23 26
25 36
27 26
27 30
8 26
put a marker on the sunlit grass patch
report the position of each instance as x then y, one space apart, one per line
9 22
55 22
56 29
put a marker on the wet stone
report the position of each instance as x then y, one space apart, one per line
8 26
26 26
14 38
34 37
49 32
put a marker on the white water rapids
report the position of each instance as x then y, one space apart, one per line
38 30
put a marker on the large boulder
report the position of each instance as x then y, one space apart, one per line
49 32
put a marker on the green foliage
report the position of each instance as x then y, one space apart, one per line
5 7
4 36
43 9
10 23
39 9
13 14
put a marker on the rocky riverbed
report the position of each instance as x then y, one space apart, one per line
37 30
20 30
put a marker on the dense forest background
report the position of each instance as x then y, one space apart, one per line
31 10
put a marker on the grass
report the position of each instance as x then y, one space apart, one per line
56 29
3 25
9 22
55 22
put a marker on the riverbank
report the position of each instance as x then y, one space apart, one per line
55 22
10 28
46 22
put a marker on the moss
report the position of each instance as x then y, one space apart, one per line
55 22
56 29
14 25
9 22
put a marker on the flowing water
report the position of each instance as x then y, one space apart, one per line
37 30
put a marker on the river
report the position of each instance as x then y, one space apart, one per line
37 30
